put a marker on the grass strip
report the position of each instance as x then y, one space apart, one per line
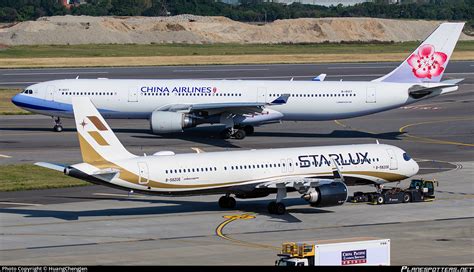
31 177
6 105
147 50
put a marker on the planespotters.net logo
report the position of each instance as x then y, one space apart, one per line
427 63
453 268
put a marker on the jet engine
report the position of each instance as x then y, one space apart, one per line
167 122
327 195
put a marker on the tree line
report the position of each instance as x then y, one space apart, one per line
246 11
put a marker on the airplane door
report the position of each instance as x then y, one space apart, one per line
283 166
143 173
371 95
133 95
49 95
261 95
290 165
393 159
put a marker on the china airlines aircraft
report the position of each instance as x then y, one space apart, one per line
174 105
320 174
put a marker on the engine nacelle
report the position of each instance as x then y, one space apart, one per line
167 122
327 195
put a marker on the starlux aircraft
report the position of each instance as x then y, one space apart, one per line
173 105
320 174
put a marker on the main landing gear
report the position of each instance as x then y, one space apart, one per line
277 207
274 207
237 132
227 202
58 127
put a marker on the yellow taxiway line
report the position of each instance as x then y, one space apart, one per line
419 138
231 218
435 141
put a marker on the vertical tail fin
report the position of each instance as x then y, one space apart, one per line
99 145
428 62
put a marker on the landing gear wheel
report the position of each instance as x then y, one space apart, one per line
227 202
231 202
280 208
226 133
58 128
380 200
406 198
249 130
276 208
240 134
272 207
57 124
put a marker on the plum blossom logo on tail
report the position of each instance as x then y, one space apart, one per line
427 63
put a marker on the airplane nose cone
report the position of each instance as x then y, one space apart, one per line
416 167
15 99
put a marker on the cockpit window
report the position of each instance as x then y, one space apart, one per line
406 157
28 91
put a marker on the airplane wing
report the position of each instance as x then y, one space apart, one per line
296 182
231 107
299 182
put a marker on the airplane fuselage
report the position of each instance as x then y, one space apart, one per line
137 99
240 171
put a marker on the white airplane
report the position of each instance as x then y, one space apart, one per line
320 174
173 105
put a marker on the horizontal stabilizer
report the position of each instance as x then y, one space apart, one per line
106 174
452 81
52 166
418 91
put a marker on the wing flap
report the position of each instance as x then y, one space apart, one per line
294 182
235 107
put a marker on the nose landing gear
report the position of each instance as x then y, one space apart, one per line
58 127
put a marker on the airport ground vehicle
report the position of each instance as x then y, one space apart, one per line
351 251
420 190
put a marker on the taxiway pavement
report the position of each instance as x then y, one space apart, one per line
98 225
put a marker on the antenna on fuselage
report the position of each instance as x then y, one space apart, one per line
77 77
